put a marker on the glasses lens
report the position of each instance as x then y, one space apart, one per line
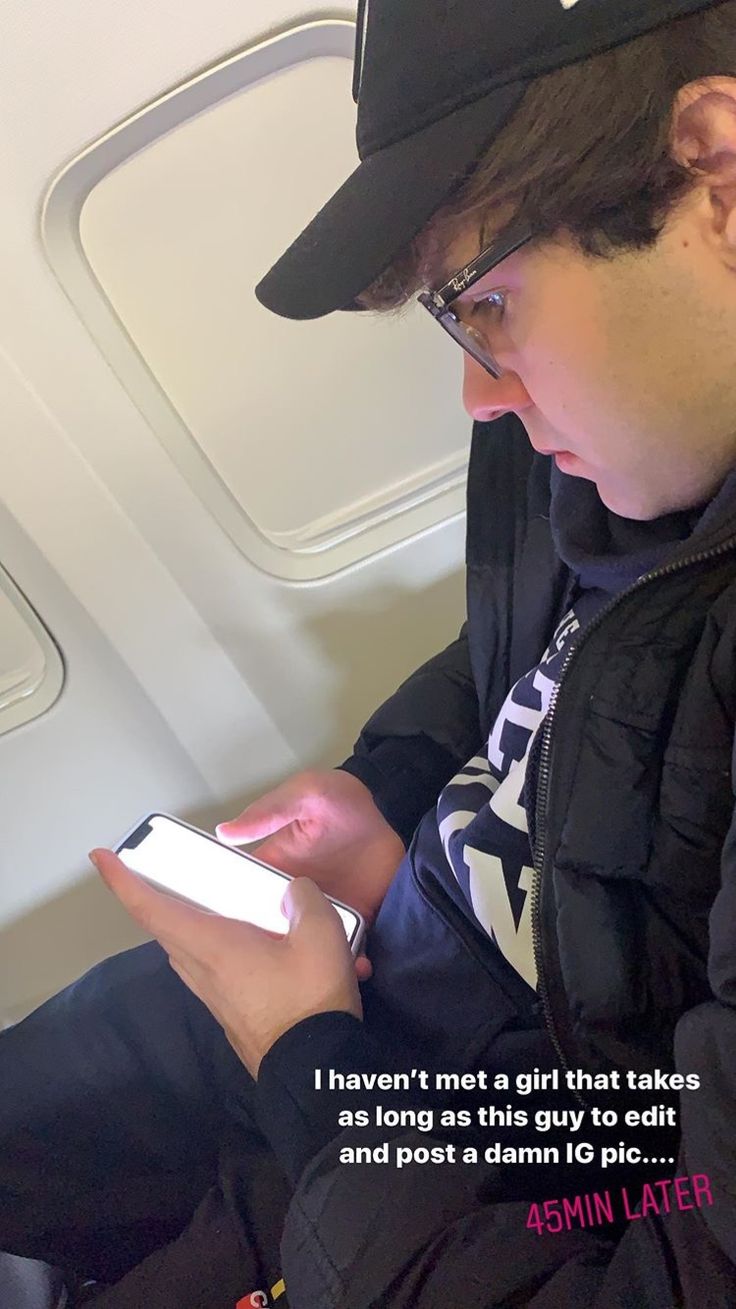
471 340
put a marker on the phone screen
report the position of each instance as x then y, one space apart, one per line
194 865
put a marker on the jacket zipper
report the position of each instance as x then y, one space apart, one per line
543 779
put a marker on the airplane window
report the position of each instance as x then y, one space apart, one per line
313 444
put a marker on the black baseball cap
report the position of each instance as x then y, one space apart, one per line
435 81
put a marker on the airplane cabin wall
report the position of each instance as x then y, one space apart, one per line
236 534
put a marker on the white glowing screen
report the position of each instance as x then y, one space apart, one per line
188 863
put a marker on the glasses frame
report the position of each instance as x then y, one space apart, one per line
439 303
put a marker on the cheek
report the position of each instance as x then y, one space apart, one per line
581 375
558 340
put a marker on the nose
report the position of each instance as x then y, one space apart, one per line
486 397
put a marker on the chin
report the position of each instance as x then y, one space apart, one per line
629 506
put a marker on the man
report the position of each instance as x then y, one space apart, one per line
566 904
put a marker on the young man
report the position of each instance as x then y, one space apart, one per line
564 176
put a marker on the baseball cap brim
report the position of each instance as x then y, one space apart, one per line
381 208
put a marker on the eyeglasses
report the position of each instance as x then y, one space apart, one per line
474 338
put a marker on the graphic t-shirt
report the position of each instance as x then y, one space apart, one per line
481 813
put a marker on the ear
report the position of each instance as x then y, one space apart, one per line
703 138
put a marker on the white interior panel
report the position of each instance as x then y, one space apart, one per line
314 444
31 670
241 533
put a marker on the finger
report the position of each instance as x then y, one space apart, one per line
303 901
363 968
263 817
159 914
309 910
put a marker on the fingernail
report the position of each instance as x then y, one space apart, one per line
92 856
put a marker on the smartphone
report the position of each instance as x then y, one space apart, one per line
196 867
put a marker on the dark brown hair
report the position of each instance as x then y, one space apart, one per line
587 152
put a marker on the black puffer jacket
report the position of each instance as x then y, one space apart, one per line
634 910
634 795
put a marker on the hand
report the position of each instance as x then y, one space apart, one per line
324 825
255 984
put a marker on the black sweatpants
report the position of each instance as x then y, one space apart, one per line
120 1159
124 1156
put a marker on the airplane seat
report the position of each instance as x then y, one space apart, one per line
29 1284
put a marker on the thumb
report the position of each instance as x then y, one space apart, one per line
261 818
303 901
